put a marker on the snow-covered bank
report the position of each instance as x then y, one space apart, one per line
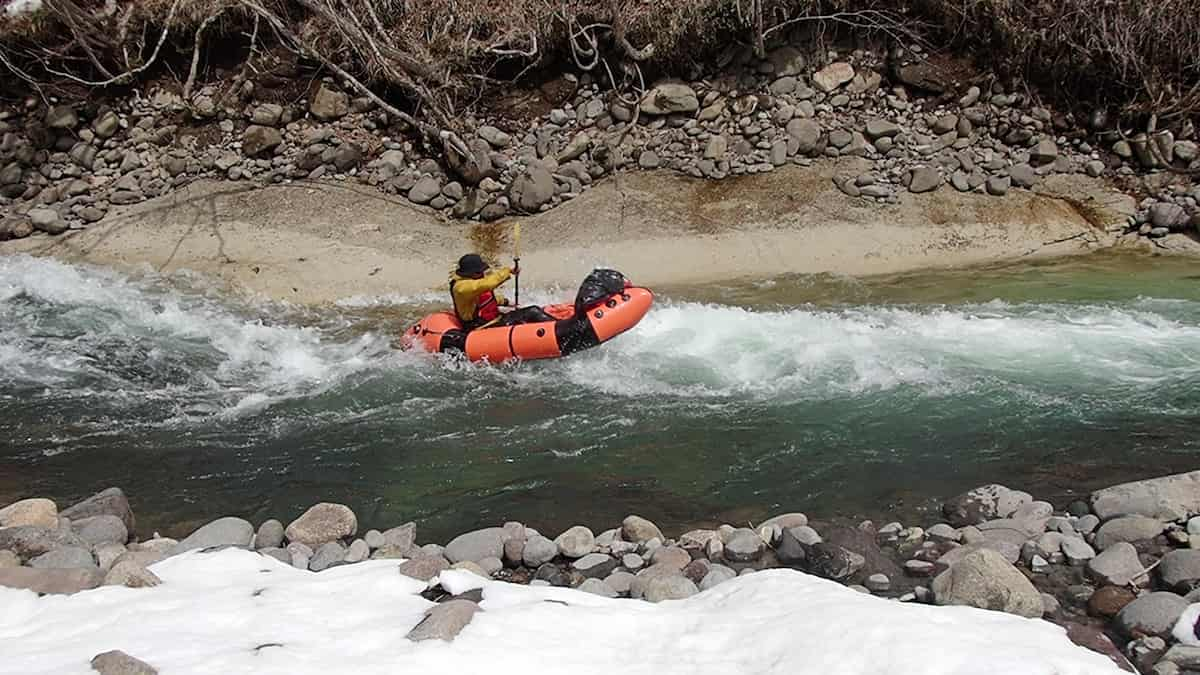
234 611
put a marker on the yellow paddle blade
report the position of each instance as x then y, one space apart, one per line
516 240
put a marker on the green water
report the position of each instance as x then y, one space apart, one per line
833 396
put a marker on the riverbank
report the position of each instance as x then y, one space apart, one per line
1119 566
313 242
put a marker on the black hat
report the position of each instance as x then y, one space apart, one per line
471 264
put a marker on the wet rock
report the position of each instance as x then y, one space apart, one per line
983 503
322 523
50 581
31 513
831 561
260 141
1151 614
670 98
477 545
1118 565
1107 601
444 621
576 542
329 104
986 580
1128 528
833 76
99 530
120 663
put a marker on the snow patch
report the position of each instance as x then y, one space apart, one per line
234 611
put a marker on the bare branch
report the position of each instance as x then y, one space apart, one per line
199 40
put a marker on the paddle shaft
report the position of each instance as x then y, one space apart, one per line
517 264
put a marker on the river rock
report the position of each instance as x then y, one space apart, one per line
576 542
1127 528
110 502
444 621
670 98
806 133
329 104
99 530
1023 175
597 587
228 531
744 546
1117 565
538 551
1045 152
260 141
661 588
47 220
595 565
986 580
831 561
31 513
717 575
267 114
1151 614
495 137
1168 215
1168 498
322 523
671 556
532 188
998 186
877 128
119 663
30 542
401 538
269 535
477 545
1077 551
984 503
1180 570
787 61
106 125
50 581
62 117
347 156
1107 601
424 567
924 179
833 76
329 553
638 530
67 557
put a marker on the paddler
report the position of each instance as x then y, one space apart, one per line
477 303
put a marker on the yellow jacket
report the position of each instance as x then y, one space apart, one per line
466 292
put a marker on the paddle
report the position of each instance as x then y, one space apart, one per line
517 264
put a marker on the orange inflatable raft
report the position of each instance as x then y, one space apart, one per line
606 306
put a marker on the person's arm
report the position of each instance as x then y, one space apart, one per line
487 282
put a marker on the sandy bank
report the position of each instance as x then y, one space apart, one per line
318 242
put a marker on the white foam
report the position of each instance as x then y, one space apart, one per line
234 611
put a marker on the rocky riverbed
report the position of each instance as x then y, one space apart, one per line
1119 571
923 128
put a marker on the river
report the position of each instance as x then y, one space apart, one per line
833 396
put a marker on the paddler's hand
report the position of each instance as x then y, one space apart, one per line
516 269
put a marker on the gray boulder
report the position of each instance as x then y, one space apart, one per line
424 568
1180 570
1023 176
47 220
924 179
1168 498
106 125
425 190
1127 528
1045 152
834 562
444 621
532 188
329 553
538 551
120 663
50 581
477 545
30 542
877 128
267 114
131 574
260 141
67 557
62 117
1151 614
670 98
806 133
269 535
595 565
576 542
1168 215
1118 565
983 503
597 587
228 531
743 546
719 574
833 76
99 530
322 523
984 579
110 502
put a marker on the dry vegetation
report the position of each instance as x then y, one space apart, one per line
433 58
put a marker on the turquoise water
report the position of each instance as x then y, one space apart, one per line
833 396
